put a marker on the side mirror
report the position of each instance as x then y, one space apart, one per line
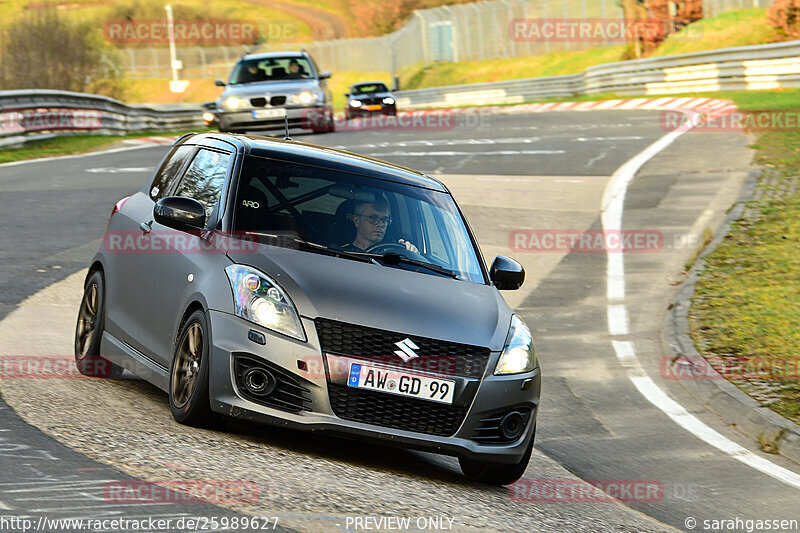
347 95
219 83
180 213
325 74
506 274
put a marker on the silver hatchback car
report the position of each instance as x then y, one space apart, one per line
263 90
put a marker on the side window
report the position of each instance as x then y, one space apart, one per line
204 178
168 172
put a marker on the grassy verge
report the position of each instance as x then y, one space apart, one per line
734 28
747 305
69 145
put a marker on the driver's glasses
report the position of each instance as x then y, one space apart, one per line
375 219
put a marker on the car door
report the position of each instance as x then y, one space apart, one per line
183 256
126 250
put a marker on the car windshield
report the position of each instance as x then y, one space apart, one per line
331 209
274 68
370 88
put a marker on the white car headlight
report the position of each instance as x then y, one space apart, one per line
519 354
259 299
355 103
233 103
305 97
388 100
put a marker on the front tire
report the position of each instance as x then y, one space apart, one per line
494 473
188 382
89 331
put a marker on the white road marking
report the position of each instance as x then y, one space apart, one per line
75 156
618 319
613 205
118 170
596 139
443 142
529 180
4 507
451 154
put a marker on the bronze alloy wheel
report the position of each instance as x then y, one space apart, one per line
89 331
188 383
87 321
186 366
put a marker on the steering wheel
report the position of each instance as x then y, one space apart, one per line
397 248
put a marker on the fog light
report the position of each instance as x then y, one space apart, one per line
512 425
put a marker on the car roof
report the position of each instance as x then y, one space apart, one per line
268 55
320 156
368 83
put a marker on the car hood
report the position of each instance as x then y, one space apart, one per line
270 87
385 297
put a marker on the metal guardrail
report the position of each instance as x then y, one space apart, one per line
26 115
770 66
38 114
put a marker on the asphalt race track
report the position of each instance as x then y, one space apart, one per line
62 441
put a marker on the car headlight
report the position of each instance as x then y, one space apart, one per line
208 116
259 299
355 103
388 100
305 97
233 103
519 354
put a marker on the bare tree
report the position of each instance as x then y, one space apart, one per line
45 50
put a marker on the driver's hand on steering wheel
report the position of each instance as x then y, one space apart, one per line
409 246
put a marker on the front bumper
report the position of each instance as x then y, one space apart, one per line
303 117
495 393
388 110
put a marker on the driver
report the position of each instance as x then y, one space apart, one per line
371 220
296 69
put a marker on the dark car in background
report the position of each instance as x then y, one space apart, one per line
369 98
264 88
232 281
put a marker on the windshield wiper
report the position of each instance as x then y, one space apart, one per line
315 247
385 259
392 258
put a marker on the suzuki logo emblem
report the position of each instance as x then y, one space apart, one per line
406 351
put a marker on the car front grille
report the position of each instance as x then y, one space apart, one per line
258 102
371 344
394 411
277 100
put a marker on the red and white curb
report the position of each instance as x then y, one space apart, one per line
695 108
700 105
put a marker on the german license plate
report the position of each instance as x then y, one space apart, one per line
363 376
276 112
373 107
